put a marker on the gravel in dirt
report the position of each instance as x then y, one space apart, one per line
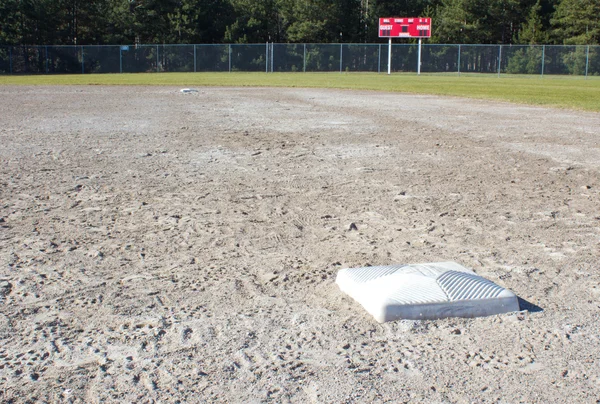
157 246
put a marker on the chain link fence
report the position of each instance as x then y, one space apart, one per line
542 60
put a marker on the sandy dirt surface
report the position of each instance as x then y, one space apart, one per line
159 246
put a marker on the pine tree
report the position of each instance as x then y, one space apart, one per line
532 31
577 22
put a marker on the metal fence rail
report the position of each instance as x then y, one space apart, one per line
582 60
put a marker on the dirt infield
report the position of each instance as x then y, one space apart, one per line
159 246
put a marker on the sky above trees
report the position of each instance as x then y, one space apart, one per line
100 22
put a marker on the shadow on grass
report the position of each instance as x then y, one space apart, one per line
530 307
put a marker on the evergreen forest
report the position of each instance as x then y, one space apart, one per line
104 22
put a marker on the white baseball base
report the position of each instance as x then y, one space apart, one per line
425 292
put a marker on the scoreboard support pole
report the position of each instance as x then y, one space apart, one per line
390 57
419 65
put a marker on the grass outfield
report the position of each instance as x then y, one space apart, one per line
561 92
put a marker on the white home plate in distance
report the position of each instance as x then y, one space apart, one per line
425 292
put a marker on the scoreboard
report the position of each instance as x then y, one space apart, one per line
404 27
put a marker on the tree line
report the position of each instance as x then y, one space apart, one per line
108 22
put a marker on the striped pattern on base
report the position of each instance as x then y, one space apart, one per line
465 286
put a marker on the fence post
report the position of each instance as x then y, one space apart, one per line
267 57
341 56
587 61
458 60
46 47
10 59
272 55
499 59
194 58
379 60
304 58
120 60
229 58
157 60
543 58
82 61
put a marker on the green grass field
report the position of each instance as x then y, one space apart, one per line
561 92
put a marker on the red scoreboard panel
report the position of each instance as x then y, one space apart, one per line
404 27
